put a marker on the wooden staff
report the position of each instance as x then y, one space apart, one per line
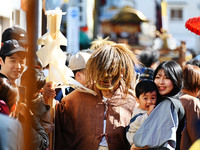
53 24
54 33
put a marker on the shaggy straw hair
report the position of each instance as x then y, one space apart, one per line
100 42
116 59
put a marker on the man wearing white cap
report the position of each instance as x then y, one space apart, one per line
77 64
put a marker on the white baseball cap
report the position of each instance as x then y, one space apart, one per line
78 61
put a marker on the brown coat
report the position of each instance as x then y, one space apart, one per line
191 131
79 121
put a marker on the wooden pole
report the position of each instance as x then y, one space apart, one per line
51 39
54 33
96 18
31 28
182 53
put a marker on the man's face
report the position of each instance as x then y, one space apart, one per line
13 66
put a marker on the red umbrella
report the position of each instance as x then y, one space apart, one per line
193 24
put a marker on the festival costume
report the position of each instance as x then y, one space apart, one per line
79 121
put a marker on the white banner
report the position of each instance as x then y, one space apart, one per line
73 27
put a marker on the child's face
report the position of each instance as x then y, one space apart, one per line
147 99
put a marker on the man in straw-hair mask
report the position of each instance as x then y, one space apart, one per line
85 121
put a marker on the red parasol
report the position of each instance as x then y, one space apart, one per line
193 24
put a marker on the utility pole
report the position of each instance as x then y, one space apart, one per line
158 15
73 26
96 18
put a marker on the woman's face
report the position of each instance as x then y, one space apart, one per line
164 84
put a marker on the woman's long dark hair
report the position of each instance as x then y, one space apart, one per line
174 72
